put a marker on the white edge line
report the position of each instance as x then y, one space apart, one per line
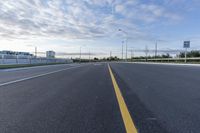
36 76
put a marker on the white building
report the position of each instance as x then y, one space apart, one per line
50 54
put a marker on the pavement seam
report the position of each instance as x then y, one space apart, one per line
128 122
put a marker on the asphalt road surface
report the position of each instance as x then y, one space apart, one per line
83 99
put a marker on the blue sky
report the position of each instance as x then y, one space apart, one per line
67 25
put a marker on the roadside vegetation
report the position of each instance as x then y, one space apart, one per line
192 57
190 54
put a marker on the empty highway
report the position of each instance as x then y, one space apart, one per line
100 98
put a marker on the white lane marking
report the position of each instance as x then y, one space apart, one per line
36 76
97 64
34 67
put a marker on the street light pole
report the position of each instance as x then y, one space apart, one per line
89 55
122 49
146 52
35 51
131 54
110 55
80 55
126 40
156 49
126 48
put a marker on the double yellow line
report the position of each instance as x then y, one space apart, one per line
128 122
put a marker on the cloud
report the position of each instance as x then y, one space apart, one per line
146 12
119 8
77 19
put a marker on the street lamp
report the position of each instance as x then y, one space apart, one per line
89 55
126 39
35 51
80 54
156 48
122 49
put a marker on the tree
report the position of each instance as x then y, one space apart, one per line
193 53
166 56
95 58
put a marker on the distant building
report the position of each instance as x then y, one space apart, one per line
14 54
50 54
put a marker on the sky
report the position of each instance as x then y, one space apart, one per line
66 26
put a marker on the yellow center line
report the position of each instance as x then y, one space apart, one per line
128 122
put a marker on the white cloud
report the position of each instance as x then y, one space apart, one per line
76 18
119 8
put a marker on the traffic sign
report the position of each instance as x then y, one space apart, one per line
186 44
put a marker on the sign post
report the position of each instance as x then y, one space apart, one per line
186 45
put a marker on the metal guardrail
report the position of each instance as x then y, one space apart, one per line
169 59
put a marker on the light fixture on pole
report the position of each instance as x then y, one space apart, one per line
126 40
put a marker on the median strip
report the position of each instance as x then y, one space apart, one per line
128 122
